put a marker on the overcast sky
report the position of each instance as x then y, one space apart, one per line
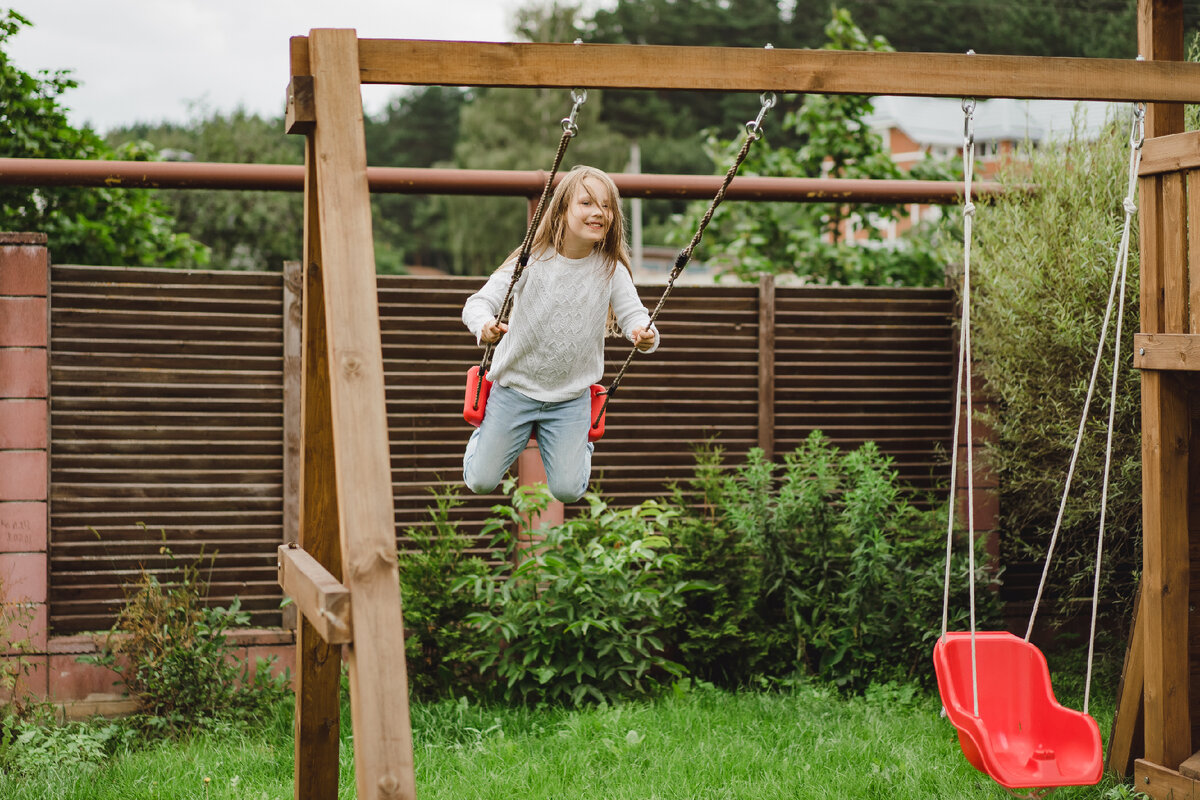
155 60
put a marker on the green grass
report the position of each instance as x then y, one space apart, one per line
699 745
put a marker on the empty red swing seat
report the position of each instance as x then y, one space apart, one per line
1022 736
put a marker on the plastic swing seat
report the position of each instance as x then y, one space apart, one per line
1022 736
475 403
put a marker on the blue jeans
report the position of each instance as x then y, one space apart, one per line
510 420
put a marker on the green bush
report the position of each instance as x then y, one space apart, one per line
723 632
173 654
441 646
848 573
1041 271
580 618
16 664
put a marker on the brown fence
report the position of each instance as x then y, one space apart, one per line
167 421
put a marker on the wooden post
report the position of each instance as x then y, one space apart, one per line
766 365
1125 744
293 383
362 463
1163 615
318 665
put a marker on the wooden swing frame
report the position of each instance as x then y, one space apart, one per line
342 573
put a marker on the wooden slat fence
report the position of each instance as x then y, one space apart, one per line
168 396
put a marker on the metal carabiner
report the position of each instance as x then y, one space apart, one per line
579 96
1137 130
767 101
968 107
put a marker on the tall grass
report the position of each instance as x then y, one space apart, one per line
695 743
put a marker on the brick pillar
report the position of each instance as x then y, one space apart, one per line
25 450
531 470
987 488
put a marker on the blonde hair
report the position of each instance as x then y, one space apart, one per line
551 229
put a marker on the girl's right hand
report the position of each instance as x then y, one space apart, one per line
492 330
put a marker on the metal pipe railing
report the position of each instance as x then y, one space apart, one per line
411 180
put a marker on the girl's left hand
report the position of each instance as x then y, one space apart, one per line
642 338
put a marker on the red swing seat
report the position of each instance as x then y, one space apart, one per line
1022 736
475 403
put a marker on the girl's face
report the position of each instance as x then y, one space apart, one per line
588 217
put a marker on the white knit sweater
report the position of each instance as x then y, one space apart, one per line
554 348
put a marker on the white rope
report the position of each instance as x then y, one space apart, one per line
1118 278
1136 137
963 385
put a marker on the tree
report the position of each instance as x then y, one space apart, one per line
243 229
84 226
671 127
520 129
809 238
1083 28
417 129
1041 267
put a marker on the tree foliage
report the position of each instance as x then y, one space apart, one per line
243 229
520 129
1085 28
809 239
87 226
417 129
1041 268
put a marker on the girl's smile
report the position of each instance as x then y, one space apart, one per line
587 218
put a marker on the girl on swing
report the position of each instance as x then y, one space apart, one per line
577 287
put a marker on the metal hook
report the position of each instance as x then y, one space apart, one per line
579 96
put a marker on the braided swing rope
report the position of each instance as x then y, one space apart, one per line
1120 272
754 132
570 130
1137 136
963 386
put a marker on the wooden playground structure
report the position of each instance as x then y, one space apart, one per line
343 573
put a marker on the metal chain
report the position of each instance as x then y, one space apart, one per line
570 130
767 101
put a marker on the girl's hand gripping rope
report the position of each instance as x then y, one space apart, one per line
492 331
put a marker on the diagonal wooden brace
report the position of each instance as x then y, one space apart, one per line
321 598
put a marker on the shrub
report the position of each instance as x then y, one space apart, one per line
441 646
16 664
1041 270
174 656
580 618
721 631
849 573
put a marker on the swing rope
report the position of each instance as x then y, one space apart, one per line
1115 299
1137 137
767 101
963 386
570 129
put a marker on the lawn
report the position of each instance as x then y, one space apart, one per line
693 743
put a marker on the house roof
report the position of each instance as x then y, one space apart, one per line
938 121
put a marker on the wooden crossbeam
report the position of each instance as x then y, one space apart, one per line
321 598
1172 153
745 69
1167 351
1162 783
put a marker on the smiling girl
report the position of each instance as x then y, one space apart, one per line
577 286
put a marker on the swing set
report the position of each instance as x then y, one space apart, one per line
342 573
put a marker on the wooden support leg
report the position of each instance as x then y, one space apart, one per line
1125 744
318 664
362 461
1166 560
